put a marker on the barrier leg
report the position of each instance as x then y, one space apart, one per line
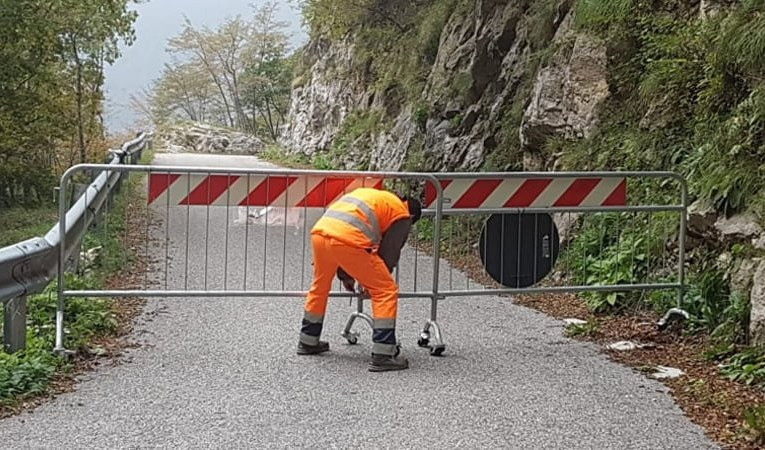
431 336
15 325
353 336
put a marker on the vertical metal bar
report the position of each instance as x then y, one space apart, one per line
468 247
303 236
518 253
284 240
536 245
167 230
207 230
188 219
584 247
225 250
502 250
416 254
247 233
648 247
451 253
125 203
64 186
265 228
436 250
146 233
618 243
681 255
632 247
15 325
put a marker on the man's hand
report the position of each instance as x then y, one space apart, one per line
349 284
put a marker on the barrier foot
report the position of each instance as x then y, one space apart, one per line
353 336
432 338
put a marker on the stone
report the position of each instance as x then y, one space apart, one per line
710 8
757 298
741 228
701 218
742 275
573 321
623 346
664 372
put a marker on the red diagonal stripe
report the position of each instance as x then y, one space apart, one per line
577 192
430 191
159 183
326 191
477 193
267 191
209 190
528 192
619 196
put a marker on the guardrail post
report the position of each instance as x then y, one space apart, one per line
15 325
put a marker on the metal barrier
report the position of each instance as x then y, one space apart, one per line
26 268
239 233
245 233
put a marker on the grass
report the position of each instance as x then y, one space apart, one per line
20 223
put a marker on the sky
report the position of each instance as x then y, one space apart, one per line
158 21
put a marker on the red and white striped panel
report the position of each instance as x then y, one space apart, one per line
254 190
461 193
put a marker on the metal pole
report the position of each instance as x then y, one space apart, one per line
15 325
60 305
683 226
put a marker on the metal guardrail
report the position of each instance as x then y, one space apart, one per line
28 267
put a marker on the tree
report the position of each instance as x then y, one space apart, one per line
237 75
51 77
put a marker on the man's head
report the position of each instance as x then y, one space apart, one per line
415 208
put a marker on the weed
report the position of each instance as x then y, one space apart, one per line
590 328
747 366
754 417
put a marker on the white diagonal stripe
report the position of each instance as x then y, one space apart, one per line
455 191
502 193
602 191
554 190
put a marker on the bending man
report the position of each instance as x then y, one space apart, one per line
359 238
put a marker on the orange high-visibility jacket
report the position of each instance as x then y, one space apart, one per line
361 217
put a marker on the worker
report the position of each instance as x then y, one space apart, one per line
359 238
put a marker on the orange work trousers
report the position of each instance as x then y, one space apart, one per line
369 270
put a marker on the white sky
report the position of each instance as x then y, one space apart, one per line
158 21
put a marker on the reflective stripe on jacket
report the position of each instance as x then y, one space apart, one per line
361 217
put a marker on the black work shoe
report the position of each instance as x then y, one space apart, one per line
385 363
305 349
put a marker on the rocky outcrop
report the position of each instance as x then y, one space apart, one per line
484 58
201 138
322 97
568 95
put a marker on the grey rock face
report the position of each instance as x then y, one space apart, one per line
568 94
739 228
757 297
483 56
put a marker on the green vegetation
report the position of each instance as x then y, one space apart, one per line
590 328
19 224
30 371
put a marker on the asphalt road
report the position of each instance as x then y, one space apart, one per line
223 373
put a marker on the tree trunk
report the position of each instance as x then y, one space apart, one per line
78 94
